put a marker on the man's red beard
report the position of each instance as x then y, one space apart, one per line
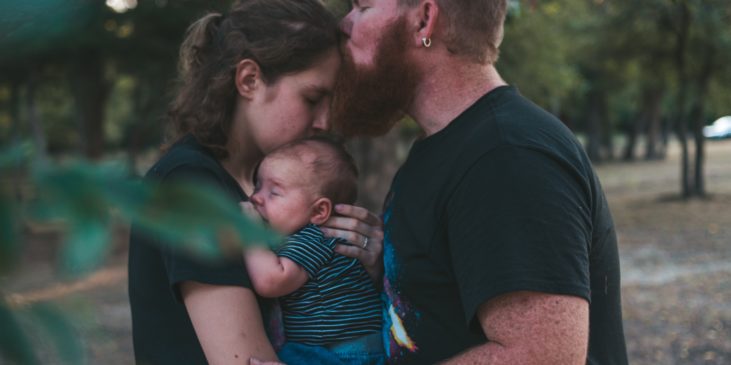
368 101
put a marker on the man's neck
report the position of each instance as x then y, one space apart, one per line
448 90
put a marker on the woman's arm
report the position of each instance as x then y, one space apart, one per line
364 230
273 276
227 322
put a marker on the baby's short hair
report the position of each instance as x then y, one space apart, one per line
332 166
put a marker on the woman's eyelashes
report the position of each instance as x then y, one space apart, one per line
312 101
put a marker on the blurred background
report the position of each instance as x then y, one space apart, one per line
645 85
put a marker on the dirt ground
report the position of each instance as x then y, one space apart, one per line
676 272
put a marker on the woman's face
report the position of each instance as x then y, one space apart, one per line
295 106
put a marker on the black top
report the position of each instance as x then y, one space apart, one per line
161 329
503 199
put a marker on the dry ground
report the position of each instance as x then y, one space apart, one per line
676 260
676 267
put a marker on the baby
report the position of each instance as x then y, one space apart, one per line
331 309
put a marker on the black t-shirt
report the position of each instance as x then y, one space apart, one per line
161 329
503 199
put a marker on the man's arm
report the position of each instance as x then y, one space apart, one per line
531 328
273 276
227 322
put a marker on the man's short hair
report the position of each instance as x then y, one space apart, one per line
473 28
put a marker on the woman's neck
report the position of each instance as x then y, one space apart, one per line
242 159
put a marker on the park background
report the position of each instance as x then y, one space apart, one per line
84 86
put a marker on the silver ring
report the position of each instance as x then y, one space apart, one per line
365 243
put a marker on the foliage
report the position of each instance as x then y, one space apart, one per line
85 198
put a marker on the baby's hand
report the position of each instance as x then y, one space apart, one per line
248 209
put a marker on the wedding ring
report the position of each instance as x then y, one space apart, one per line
365 243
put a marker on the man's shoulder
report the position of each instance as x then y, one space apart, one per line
514 121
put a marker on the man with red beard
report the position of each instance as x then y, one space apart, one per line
499 245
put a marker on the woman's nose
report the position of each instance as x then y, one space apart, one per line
321 123
346 25
256 199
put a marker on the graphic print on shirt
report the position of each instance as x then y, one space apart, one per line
398 312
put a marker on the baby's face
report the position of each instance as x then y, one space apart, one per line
283 195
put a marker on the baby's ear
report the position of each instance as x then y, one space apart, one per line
321 210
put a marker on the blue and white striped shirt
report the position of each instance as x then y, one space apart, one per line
338 302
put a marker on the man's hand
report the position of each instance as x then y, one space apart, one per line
364 231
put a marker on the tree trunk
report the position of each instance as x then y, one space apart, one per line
643 122
593 130
607 136
654 125
697 117
14 107
90 93
631 136
699 188
15 134
34 118
681 127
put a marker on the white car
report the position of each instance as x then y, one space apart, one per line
721 128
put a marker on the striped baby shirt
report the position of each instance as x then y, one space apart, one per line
338 302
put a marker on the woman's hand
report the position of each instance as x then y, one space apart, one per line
364 231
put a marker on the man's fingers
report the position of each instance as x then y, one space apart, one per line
345 224
358 213
350 236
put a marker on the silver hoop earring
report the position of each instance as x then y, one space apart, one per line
426 42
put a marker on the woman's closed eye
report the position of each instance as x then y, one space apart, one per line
312 101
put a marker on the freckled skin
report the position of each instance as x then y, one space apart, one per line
528 328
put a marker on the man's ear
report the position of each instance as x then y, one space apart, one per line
321 210
425 16
248 78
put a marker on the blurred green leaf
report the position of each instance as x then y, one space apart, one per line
14 345
188 216
15 155
61 332
85 246
28 28
199 218
74 191
11 158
